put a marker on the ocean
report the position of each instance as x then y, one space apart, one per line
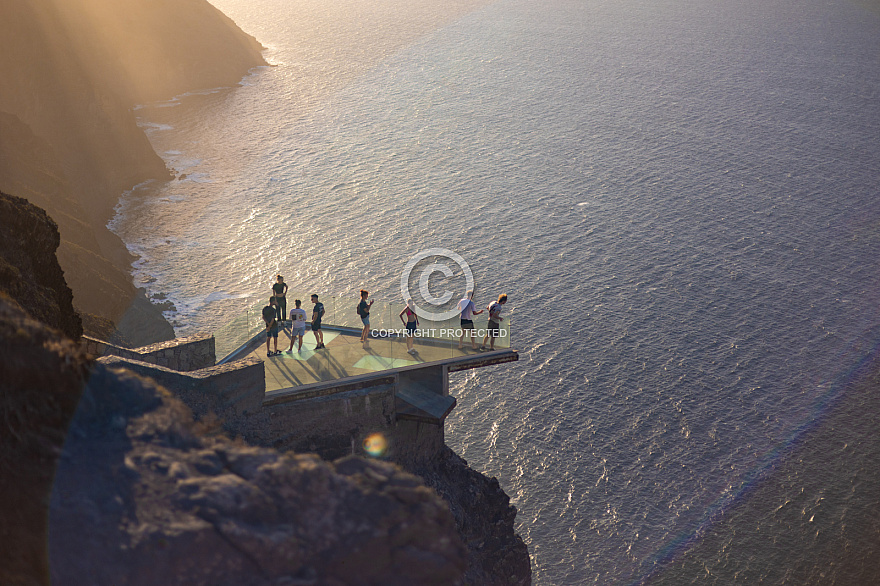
680 199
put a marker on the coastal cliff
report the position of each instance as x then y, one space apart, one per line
73 70
105 477
104 474
29 272
143 494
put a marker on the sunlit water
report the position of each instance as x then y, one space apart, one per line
679 197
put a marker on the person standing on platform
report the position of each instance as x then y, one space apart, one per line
317 314
297 325
495 320
412 324
467 307
363 310
280 291
270 316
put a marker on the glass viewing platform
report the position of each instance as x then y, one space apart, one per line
344 355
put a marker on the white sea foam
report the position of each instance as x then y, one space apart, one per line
152 126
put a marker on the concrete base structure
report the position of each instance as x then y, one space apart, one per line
400 409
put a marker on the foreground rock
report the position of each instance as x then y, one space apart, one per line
144 495
484 518
164 504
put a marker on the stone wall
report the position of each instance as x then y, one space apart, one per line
181 354
232 391
332 419
333 423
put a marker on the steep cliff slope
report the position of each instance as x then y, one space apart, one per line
72 72
29 272
106 479
144 495
484 517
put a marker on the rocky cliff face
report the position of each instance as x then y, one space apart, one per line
29 271
166 504
484 517
69 142
144 495
106 479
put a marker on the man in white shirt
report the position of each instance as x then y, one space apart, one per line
298 325
467 307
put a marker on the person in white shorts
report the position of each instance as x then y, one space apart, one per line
298 325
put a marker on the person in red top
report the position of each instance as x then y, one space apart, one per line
412 323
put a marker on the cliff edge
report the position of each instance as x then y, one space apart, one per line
104 475
107 479
73 70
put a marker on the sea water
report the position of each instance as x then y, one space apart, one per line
679 197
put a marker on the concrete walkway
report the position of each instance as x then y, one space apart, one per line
345 355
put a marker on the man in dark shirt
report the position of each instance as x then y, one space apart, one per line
279 288
317 314
270 316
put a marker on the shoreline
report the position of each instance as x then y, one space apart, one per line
71 144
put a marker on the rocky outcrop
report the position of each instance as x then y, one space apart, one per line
484 518
73 70
29 271
145 495
167 505
41 379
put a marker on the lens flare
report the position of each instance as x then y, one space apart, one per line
375 445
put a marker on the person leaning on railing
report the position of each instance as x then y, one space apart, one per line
495 319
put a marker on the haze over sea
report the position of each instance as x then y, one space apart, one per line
679 197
